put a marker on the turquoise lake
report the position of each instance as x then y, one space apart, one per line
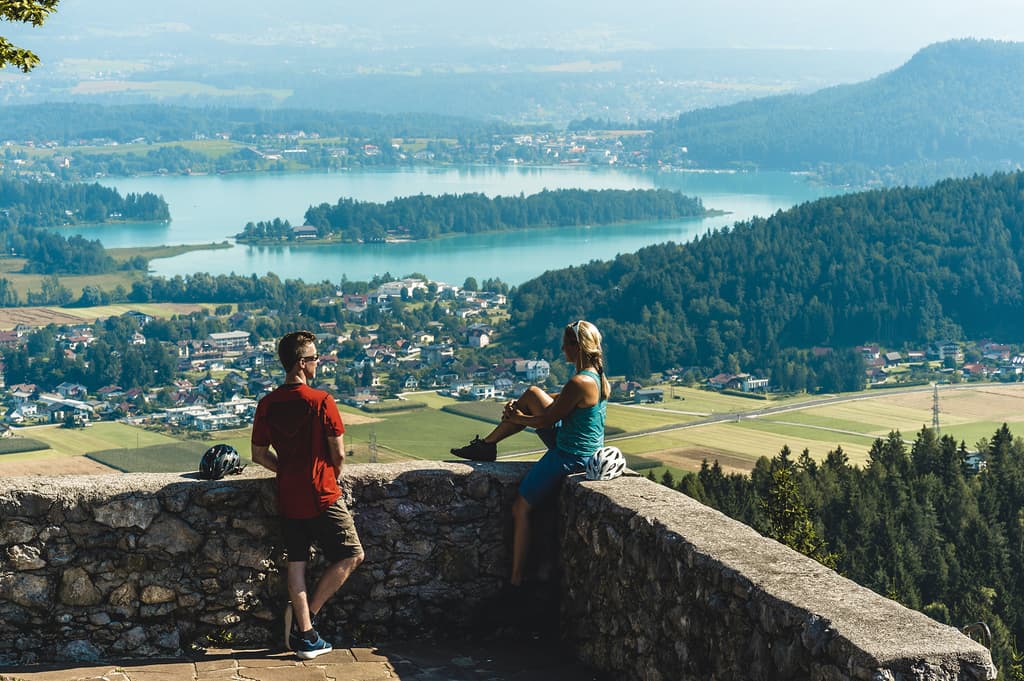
212 208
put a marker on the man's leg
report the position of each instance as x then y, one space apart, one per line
300 599
333 578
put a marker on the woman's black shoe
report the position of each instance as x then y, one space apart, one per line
477 450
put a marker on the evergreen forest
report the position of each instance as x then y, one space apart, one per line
75 123
28 208
425 217
53 204
900 267
915 524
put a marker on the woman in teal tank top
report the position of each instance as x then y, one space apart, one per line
569 422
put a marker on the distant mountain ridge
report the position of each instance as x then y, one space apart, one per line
954 100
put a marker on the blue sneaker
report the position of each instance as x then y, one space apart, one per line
292 636
307 651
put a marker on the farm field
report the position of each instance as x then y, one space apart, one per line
706 402
965 413
41 316
654 439
99 436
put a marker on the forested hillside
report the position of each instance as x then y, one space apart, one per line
53 204
27 207
954 100
897 266
72 122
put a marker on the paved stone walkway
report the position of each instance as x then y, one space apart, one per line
408 661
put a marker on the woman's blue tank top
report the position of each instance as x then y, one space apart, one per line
582 431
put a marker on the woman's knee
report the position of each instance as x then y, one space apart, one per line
534 399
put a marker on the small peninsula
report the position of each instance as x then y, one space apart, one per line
430 217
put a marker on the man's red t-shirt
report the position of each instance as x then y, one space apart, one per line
296 420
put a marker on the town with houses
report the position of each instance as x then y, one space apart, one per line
621 148
221 377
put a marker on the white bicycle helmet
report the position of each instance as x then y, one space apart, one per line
605 464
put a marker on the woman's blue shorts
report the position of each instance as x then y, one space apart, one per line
543 478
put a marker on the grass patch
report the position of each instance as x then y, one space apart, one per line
642 463
154 252
23 283
488 411
971 433
633 419
97 437
713 402
387 406
816 418
171 455
429 434
160 310
177 457
734 445
11 265
17 445
431 398
820 433
746 396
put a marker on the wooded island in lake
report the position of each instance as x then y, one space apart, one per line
427 217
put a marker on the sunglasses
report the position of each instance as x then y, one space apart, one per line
311 358
575 326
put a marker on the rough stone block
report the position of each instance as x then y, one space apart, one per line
172 536
127 512
28 590
156 593
13 531
25 557
77 589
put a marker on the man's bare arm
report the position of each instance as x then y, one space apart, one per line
336 450
264 457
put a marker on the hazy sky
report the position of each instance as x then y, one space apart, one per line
903 25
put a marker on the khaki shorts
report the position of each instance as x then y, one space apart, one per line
333 531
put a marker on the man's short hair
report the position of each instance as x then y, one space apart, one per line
290 347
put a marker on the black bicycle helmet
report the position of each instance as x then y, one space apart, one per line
218 461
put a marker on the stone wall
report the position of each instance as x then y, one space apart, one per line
655 586
147 565
659 587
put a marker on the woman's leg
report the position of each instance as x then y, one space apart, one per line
539 483
533 401
520 538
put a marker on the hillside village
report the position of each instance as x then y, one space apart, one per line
217 380
220 378
301 148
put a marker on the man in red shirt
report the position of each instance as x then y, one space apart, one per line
304 428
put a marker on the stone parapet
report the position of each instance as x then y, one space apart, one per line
654 585
96 567
659 587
